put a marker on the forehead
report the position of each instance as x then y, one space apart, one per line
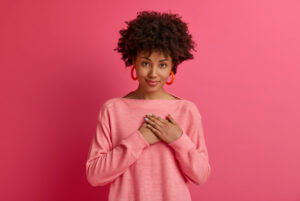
154 54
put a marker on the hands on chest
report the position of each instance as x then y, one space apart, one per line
155 129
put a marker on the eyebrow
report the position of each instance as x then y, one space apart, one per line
150 59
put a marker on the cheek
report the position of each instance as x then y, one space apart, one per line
166 76
142 72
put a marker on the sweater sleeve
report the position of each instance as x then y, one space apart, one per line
105 162
191 151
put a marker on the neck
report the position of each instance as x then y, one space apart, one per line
141 94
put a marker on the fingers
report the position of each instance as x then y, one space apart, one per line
154 122
157 119
154 130
171 119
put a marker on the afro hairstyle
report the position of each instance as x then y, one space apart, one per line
154 31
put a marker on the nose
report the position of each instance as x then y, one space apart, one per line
153 72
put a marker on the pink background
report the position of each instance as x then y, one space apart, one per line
58 67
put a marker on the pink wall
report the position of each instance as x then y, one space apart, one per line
57 66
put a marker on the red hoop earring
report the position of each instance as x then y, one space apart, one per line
169 83
132 69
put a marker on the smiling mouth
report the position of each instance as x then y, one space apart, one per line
152 83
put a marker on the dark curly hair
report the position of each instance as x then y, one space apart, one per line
154 31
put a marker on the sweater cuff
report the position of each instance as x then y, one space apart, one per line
137 140
182 144
140 135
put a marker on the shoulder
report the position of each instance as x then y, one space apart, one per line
192 108
110 102
107 104
190 104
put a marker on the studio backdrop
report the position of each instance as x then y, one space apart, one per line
57 67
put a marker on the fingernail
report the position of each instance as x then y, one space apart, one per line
146 118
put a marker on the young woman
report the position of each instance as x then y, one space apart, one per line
149 143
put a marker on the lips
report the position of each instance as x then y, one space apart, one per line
152 83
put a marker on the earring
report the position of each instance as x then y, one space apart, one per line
169 83
132 69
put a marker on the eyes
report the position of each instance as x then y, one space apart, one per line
163 65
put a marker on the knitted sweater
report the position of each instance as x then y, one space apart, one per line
120 156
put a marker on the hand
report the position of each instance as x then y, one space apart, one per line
166 130
150 137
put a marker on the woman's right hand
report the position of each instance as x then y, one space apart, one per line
150 137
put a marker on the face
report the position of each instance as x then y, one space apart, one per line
155 68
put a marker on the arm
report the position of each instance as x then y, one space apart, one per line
191 152
105 163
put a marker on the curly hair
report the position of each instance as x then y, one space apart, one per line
154 31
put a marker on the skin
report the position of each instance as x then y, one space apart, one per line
156 67
166 130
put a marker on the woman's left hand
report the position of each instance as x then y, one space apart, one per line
166 130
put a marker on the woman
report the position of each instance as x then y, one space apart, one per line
149 144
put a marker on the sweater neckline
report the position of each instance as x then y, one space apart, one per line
154 100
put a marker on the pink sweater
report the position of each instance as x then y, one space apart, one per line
138 171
